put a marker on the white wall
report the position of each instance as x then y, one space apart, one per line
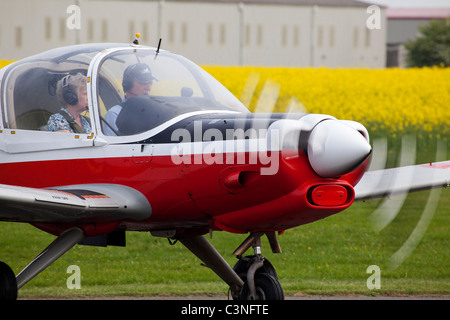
207 33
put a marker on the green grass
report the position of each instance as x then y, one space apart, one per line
327 257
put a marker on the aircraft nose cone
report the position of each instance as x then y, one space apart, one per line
335 148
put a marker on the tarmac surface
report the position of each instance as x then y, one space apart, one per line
289 298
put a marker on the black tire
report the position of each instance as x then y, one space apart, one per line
267 287
8 283
241 268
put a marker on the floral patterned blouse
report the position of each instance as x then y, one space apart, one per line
57 122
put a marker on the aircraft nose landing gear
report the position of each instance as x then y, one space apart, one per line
252 278
259 276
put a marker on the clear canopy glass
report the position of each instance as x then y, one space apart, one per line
140 89
29 85
178 87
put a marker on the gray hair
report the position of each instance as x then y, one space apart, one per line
75 82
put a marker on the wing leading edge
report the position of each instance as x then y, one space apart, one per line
381 183
87 203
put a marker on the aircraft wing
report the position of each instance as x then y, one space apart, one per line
86 203
381 183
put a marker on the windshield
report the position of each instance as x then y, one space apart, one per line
139 90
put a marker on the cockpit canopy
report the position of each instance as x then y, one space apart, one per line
178 87
29 85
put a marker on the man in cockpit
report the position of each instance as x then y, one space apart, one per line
137 80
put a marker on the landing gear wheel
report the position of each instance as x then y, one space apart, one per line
260 281
267 287
241 267
8 283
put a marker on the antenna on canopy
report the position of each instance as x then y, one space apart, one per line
159 46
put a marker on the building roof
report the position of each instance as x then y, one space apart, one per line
417 13
324 3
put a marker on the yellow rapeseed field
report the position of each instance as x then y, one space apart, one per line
386 101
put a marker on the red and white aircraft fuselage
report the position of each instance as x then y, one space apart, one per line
181 161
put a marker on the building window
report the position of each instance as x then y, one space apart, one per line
247 34
319 37
144 32
296 36
171 32
223 34
284 36
331 37
259 35
90 30
18 36
62 29
184 33
132 28
48 28
367 37
355 37
104 30
209 34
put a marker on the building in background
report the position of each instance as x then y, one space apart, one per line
404 25
300 33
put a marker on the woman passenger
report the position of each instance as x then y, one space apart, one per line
72 94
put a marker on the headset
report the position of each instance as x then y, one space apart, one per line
136 71
127 81
69 95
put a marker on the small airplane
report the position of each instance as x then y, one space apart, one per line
100 139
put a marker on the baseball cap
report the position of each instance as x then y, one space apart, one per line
142 73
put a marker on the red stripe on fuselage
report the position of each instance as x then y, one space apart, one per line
183 194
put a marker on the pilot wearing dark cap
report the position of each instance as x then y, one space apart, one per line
137 80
